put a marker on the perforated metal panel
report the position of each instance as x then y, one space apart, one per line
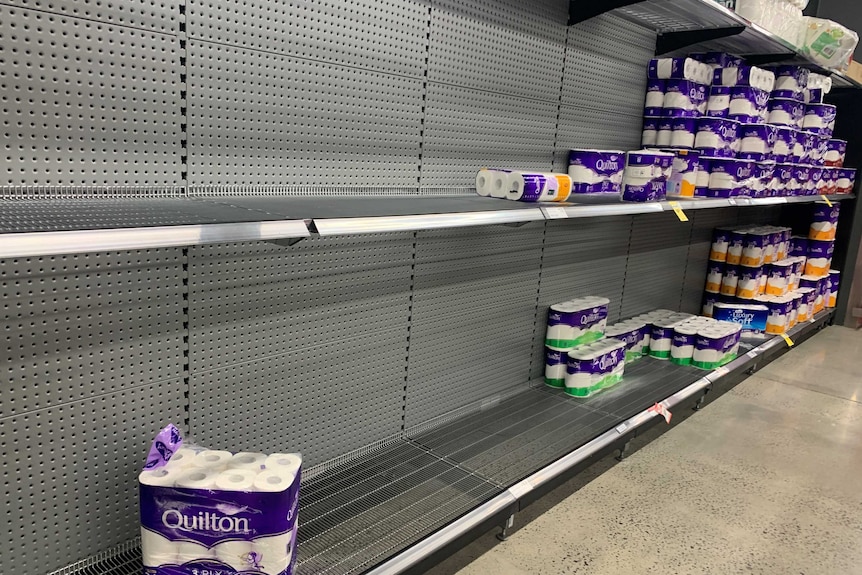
474 304
389 35
87 103
766 215
262 119
157 15
311 341
585 128
703 223
467 129
580 258
508 47
656 264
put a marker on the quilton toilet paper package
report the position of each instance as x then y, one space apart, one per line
577 322
216 512
594 367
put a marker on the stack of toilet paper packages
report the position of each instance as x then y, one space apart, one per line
763 132
571 324
523 186
208 511
686 339
781 17
766 266
594 367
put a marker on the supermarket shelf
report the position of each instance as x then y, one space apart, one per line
686 26
52 227
393 508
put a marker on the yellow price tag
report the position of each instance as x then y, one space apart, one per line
677 209
787 339
825 199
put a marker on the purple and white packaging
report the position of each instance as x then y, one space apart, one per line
220 519
747 104
763 172
718 103
756 141
786 113
717 59
788 77
664 133
556 360
813 95
531 187
785 140
596 171
684 98
815 182
701 186
683 179
787 95
836 151
744 76
819 118
845 181
679 69
786 177
716 137
683 132
646 175
594 367
649 136
654 97
801 174
728 177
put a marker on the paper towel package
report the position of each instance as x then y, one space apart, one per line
594 367
576 322
217 512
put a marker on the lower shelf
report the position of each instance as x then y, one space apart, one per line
395 506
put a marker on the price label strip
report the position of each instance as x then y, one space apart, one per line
555 213
825 199
787 340
677 209
662 410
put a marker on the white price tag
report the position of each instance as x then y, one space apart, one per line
720 372
752 354
621 427
555 213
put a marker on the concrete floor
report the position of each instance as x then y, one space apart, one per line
766 479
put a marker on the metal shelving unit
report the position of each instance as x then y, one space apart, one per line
52 227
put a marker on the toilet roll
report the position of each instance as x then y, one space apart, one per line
786 113
157 550
236 480
236 554
500 185
183 458
485 182
189 551
247 460
211 459
555 366
162 477
288 462
273 554
197 478
649 136
272 481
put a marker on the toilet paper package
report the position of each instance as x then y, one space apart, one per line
735 242
785 142
556 360
756 141
709 301
684 98
664 132
729 280
716 346
829 181
577 322
745 76
798 246
827 43
813 96
747 105
217 512
820 119
819 257
821 291
716 137
794 78
661 334
846 181
683 179
701 187
778 277
748 282
833 283
634 335
531 187
809 144
720 244
787 176
718 103
729 177
679 69
714 275
646 175
800 179
836 151
683 132
777 321
805 311
596 171
763 175
649 135
797 302
654 97
751 317
824 221
594 367
682 344
492 182
717 59
786 113
816 183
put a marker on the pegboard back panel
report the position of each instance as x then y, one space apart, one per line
156 15
68 474
304 336
508 47
474 304
79 326
656 264
581 127
581 258
467 129
388 36
263 119
70 117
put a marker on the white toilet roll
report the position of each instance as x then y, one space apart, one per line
236 480
247 460
190 551
184 457
197 478
484 182
273 553
500 185
273 481
161 477
290 462
157 550
237 554
211 459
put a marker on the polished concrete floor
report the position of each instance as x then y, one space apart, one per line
766 479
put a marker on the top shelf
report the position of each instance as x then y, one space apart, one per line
686 26
47 227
